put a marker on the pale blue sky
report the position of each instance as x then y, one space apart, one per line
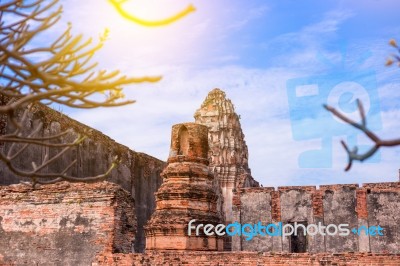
251 50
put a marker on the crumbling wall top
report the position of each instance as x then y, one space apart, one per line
189 142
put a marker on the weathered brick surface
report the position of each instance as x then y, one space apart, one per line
64 224
362 210
387 186
256 207
247 258
339 204
187 193
228 150
276 206
318 204
369 205
384 209
137 172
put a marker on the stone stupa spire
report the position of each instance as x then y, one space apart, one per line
228 150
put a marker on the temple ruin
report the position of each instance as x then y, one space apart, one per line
187 193
140 215
228 149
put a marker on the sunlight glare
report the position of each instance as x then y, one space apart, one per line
119 6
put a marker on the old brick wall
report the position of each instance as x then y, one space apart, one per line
187 194
64 224
137 173
339 207
383 207
369 205
246 258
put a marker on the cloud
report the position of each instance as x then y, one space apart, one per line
330 23
250 15
260 98
299 48
259 94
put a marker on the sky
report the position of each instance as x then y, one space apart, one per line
278 61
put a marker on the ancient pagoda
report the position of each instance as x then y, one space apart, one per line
228 150
187 193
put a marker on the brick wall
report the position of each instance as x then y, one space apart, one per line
369 205
137 173
64 224
246 258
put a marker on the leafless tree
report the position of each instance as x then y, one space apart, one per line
353 154
60 71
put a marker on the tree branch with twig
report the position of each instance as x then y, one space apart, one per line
60 71
353 154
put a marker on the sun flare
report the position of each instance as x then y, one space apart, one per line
150 23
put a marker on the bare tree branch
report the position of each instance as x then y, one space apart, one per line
60 71
353 154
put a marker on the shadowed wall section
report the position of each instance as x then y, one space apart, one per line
138 173
64 223
369 205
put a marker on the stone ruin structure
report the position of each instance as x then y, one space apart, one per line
148 203
228 150
187 193
371 204
137 173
